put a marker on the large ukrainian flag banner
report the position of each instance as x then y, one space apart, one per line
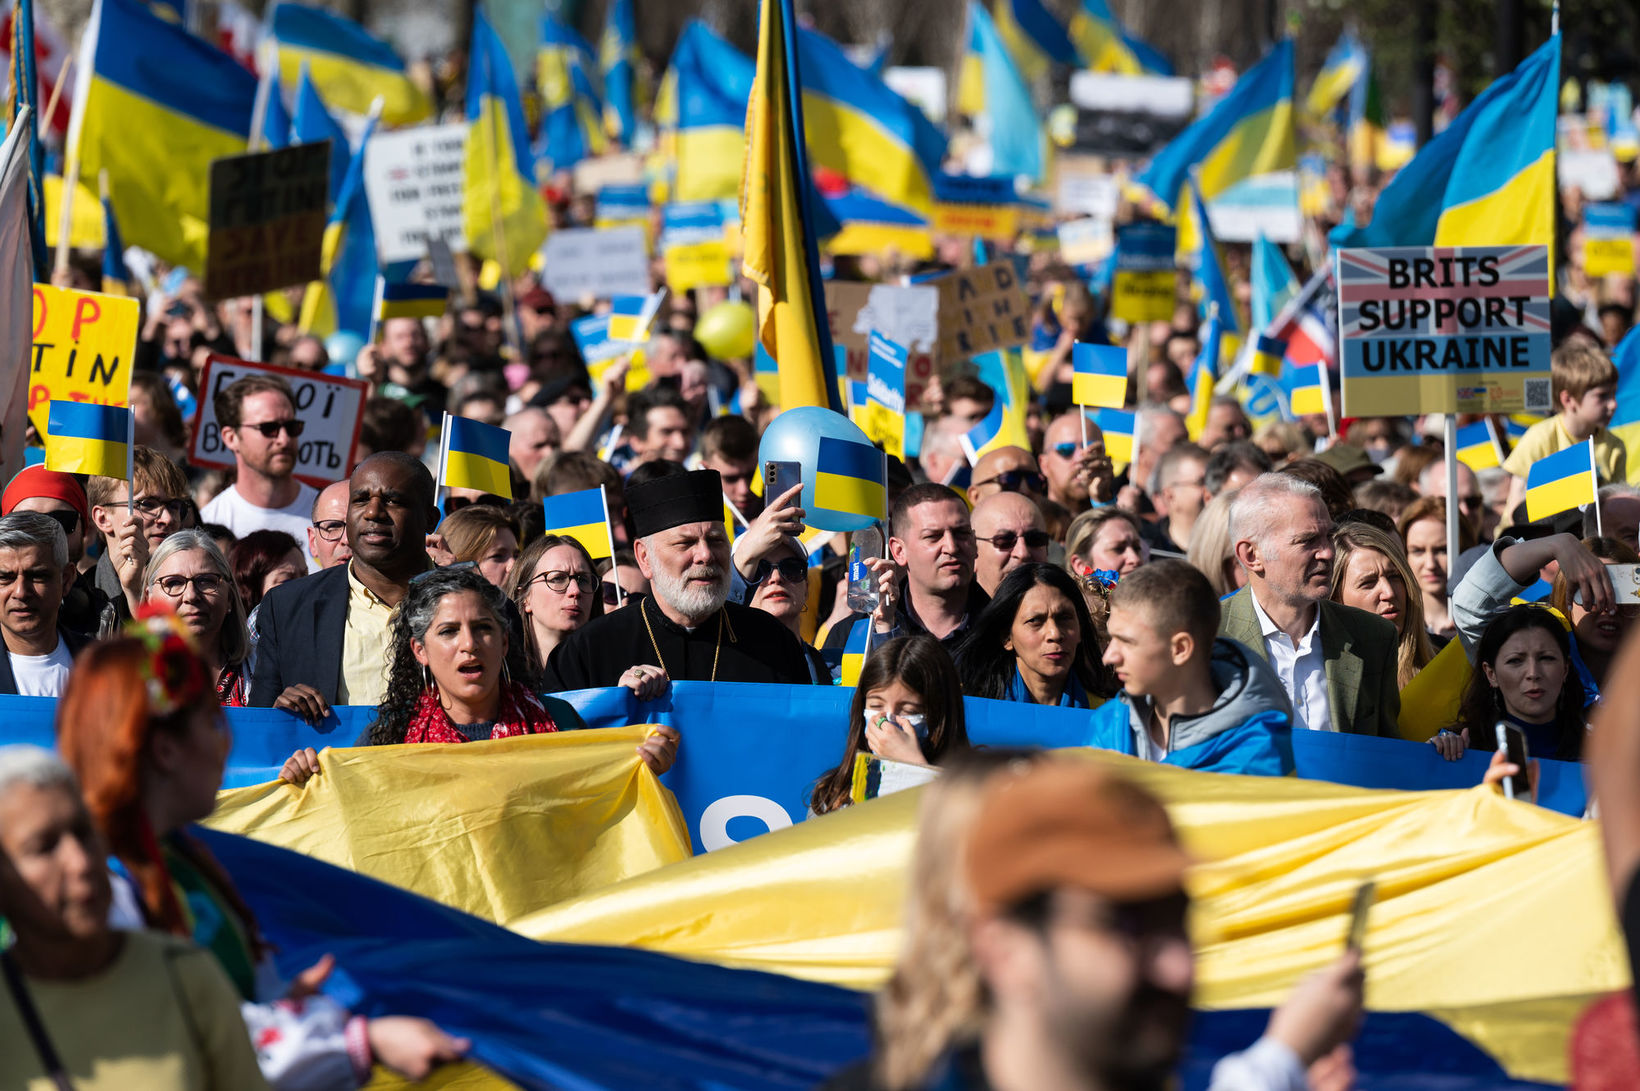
860 128
1106 46
350 67
1487 179
781 253
619 59
344 296
1034 36
572 126
502 212
700 115
1249 133
153 106
992 85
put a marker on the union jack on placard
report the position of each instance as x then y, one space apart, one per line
1519 273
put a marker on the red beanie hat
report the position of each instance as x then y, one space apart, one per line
39 481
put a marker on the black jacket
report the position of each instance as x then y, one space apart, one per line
74 641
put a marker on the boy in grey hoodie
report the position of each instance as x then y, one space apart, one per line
1189 697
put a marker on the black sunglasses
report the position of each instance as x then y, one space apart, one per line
791 569
1005 540
270 428
612 595
68 520
1016 480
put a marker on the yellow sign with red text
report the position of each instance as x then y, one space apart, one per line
83 349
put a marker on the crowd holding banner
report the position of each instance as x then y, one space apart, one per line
401 404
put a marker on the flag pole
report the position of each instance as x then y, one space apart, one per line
25 93
1452 489
259 115
1594 471
609 529
498 234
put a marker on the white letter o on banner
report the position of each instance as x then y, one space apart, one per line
714 821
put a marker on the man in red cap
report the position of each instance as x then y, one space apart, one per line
60 496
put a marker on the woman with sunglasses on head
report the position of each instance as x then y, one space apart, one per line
779 586
189 576
556 590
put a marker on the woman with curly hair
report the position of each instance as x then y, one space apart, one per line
142 730
1034 642
446 681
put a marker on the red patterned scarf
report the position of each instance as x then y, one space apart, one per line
520 714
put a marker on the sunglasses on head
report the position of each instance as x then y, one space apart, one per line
1005 540
612 595
270 428
791 569
1016 480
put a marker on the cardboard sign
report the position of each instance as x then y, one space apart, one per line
906 315
1608 240
268 212
1143 288
698 265
1444 330
884 420
414 181
580 263
83 343
982 310
1083 185
330 407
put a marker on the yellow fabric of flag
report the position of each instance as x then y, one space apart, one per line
497 829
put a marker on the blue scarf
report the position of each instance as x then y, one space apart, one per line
1073 697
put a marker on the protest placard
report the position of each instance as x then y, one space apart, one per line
1444 330
986 207
1143 287
591 175
621 205
684 223
600 352
906 315
1085 241
885 393
698 265
267 222
413 180
1608 239
1083 184
82 347
585 263
982 310
330 408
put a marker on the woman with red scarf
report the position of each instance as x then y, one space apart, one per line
447 680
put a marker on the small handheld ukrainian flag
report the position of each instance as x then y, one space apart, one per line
851 477
1121 429
584 516
475 457
1100 377
1268 353
409 300
87 438
1478 446
1565 480
630 316
1307 391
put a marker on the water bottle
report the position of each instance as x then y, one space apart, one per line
867 545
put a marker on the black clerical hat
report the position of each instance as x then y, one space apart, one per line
665 502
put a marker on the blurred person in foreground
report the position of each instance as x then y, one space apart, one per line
1046 949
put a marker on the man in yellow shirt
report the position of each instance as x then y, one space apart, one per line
1585 389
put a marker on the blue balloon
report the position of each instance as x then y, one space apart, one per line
794 436
342 346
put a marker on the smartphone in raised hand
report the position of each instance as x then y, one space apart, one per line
1512 740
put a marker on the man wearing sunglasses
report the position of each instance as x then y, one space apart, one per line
1007 469
1078 471
1009 531
257 415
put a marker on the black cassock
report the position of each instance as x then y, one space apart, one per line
754 648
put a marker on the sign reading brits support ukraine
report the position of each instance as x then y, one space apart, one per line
1444 330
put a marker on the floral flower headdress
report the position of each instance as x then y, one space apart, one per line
173 672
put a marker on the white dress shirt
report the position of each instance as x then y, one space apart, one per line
1301 669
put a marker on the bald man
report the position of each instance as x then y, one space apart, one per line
1007 469
534 436
1077 472
1009 531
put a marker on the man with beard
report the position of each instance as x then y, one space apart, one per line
1078 933
1337 663
259 424
684 630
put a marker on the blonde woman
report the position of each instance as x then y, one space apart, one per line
1210 548
1371 573
485 535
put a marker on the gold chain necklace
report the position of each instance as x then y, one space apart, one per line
717 646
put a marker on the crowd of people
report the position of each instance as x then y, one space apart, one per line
1238 583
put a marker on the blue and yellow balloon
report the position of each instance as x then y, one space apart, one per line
794 436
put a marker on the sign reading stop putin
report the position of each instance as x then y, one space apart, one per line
81 349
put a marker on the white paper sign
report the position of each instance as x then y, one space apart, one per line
414 181
906 316
330 408
582 263
1093 194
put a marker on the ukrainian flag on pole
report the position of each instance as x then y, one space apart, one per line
350 67
780 247
312 123
1478 446
344 296
1307 391
116 278
572 124
1249 133
1000 428
276 120
153 106
850 477
1565 480
1345 64
700 115
475 457
1209 270
618 57
1487 179
584 516
992 85
87 438
1099 375
1121 431
409 300
631 316
504 217
1034 36
1106 46
1204 375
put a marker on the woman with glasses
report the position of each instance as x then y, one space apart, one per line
556 590
153 505
189 576
1034 642
485 535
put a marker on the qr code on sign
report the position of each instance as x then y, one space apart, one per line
1537 396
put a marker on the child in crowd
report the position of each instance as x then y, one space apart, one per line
1585 395
1189 697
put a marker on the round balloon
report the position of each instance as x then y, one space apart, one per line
728 330
794 436
343 346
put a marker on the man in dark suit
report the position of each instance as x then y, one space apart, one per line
1337 663
35 574
324 638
